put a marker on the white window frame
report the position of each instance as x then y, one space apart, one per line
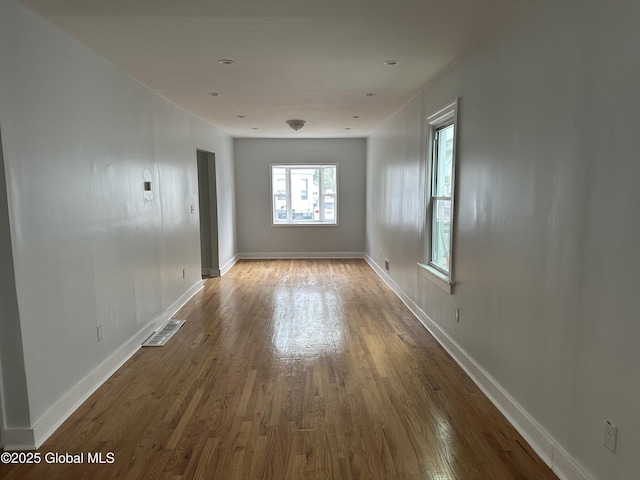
290 222
444 117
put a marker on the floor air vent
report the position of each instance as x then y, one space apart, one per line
162 336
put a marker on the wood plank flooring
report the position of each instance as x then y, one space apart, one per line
292 369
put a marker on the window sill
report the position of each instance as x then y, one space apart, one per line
439 278
304 224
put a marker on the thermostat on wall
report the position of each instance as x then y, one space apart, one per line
148 190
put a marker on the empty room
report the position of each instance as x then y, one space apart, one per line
336 240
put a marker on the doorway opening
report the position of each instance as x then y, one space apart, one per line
208 203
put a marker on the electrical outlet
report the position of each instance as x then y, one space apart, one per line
100 332
457 314
610 434
386 264
184 273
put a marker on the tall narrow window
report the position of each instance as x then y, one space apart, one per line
304 194
441 139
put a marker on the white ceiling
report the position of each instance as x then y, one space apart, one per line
313 60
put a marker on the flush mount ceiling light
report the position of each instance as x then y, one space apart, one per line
296 124
225 61
391 63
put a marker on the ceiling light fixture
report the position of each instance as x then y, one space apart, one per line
391 63
356 116
225 61
369 94
296 124
240 116
213 94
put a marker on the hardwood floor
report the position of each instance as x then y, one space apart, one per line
291 369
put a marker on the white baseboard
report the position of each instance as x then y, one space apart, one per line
32 438
298 255
556 458
227 266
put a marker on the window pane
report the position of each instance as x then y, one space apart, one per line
279 180
305 215
444 161
301 203
441 233
329 207
280 208
329 180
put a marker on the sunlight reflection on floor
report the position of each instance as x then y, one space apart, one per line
307 321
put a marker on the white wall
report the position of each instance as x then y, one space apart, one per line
256 236
12 370
548 222
87 247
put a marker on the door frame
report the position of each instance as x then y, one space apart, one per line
208 209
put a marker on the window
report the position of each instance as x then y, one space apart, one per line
441 156
304 194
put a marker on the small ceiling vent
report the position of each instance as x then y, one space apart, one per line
162 336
